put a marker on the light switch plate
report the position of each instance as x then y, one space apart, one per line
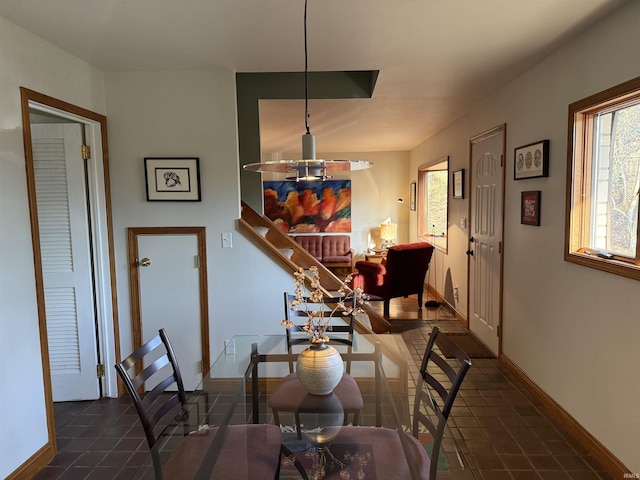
463 222
227 240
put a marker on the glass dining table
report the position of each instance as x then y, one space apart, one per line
236 390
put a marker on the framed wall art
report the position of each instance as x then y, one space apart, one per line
308 206
531 161
530 208
458 183
175 179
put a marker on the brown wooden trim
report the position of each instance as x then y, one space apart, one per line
601 454
37 266
27 96
34 464
276 239
580 145
134 283
134 290
460 318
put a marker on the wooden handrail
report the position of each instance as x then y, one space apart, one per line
275 239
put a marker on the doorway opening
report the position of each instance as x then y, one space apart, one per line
50 174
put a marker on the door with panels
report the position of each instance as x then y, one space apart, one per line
485 241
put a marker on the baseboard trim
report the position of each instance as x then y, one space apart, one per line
37 462
462 319
591 444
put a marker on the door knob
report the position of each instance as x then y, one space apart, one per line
470 252
472 239
145 262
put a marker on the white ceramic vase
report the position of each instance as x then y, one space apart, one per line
319 368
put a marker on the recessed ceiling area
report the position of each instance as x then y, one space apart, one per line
436 58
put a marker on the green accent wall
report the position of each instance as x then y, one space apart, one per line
252 87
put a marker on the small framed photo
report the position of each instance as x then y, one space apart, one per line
530 208
412 196
458 183
172 179
531 161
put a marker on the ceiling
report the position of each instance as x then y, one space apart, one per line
436 57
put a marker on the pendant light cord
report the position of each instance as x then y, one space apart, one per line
306 72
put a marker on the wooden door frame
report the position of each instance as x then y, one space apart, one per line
492 132
134 282
86 117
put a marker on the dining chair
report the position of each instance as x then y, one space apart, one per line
248 451
437 387
291 396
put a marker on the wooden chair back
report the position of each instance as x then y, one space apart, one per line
438 385
155 361
341 332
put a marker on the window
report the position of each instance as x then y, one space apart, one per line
433 188
604 181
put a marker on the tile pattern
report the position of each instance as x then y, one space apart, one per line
505 433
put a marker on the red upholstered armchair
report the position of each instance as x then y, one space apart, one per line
401 275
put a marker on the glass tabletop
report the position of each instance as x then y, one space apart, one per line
237 388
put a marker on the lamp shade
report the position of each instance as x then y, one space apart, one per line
388 231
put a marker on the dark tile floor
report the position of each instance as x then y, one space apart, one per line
505 433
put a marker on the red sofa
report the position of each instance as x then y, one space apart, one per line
401 274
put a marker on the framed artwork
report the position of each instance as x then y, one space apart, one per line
175 179
530 208
308 206
531 161
458 183
412 196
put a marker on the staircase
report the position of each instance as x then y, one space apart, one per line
282 248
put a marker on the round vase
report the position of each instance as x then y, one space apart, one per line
319 368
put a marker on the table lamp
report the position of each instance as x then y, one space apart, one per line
388 233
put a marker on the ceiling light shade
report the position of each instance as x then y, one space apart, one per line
308 168
313 169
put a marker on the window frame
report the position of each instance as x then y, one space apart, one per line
440 242
580 146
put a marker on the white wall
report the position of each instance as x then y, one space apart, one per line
575 331
576 336
193 114
30 62
374 195
149 114
189 114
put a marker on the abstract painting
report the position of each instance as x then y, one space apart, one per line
308 206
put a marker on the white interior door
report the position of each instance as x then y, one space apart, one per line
485 271
63 221
170 298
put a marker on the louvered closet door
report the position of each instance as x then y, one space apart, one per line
66 260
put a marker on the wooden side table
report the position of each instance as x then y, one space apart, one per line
375 257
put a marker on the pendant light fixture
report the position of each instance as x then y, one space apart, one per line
309 168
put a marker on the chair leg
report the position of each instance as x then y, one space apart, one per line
276 417
386 307
298 428
289 454
420 301
435 454
157 463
